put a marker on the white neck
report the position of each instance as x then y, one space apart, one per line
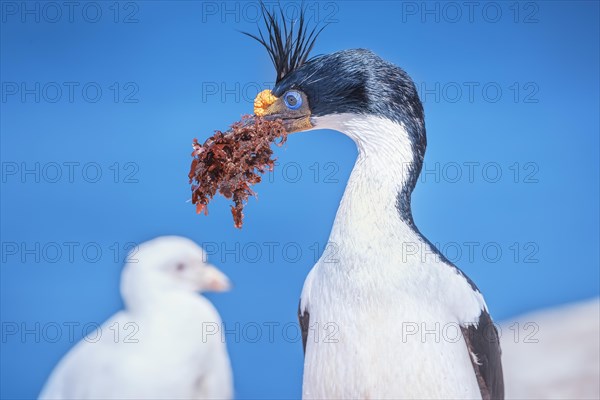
368 211
370 237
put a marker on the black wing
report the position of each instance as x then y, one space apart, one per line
303 318
484 349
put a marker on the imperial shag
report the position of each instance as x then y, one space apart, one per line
409 324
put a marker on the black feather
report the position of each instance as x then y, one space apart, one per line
287 48
483 344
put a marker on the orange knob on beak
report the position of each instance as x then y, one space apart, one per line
262 102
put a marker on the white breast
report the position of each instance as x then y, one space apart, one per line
162 354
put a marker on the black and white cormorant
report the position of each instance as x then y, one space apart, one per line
409 324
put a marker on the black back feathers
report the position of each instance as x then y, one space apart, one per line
287 48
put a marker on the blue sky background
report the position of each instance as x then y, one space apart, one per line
171 72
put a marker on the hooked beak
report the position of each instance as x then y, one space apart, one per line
292 124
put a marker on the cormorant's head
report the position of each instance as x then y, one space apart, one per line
350 81
352 91
346 82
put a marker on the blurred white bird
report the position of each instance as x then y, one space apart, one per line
553 353
162 349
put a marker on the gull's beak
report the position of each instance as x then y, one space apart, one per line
214 280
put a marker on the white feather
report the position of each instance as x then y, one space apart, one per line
376 290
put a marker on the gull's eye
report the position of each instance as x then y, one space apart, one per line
292 100
180 266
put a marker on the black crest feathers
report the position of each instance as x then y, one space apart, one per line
288 45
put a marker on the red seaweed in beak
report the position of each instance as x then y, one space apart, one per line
231 162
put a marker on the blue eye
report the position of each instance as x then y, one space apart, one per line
292 100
